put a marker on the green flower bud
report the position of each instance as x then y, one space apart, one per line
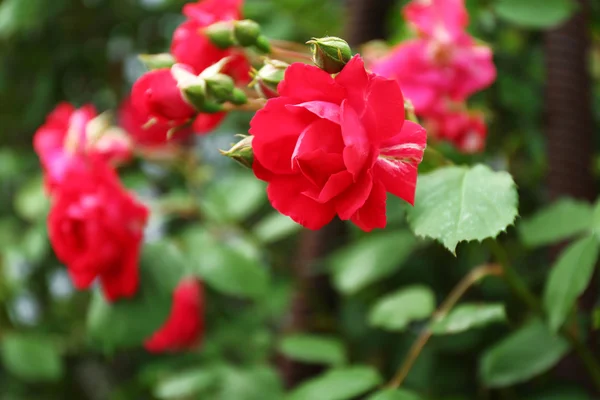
238 97
242 152
246 32
262 44
330 53
221 34
220 87
268 77
157 61
192 86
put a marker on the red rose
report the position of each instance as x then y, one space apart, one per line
207 12
96 229
157 94
466 130
192 47
69 135
145 132
331 146
185 325
205 123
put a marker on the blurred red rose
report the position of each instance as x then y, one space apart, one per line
157 94
331 146
145 132
185 326
96 229
70 135
192 47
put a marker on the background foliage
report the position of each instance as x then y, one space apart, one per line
210 217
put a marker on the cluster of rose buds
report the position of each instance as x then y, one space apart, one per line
440 69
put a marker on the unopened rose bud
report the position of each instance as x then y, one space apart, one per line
220 87
242 152
246 32
262 44
193 88
268 77
330 53
221 34
157 61
238 97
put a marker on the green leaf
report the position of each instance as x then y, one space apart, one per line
395 311
526 353
186 384
31 202
31 358
596 220
274 227
234 198
313 349
456 204
256 383
392 394
230 266
468 316
568 278
535 13
128 322
370 260
561 220
338 384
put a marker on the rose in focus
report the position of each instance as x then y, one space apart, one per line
334 146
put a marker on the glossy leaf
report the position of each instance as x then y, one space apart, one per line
568 278
313 349
234 198
535 13
468 316
392 394
370 259
338 384
128 322
185 384
456 204
560 221
230 265
395 311
526 353
31 358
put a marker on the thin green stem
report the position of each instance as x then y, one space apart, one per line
455 295
522 291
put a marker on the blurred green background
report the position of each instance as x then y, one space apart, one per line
85 51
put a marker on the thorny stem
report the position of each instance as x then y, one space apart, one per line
520 289
473 277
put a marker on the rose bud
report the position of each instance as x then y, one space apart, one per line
330 53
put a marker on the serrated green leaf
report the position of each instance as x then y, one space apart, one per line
128 322
468 316
526 353
31 358
560 221
456 204
338 384
395 311
394 394
313 349
370 259
535 13
568 278
186 383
